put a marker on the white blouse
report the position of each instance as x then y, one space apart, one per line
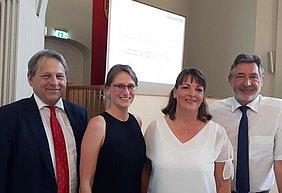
186 167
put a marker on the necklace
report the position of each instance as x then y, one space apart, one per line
186 131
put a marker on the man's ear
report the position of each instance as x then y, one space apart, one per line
229 78
30 80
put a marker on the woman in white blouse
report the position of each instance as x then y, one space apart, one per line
187 152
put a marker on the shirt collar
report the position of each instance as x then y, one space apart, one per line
254 105
41 104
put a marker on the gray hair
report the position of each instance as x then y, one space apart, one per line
247 58
32 63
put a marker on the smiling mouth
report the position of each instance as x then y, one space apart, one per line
190 100
53 90
244 90
125 98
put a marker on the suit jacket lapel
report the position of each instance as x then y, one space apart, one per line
36 125
72 118
77 124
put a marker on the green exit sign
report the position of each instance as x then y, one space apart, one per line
62 34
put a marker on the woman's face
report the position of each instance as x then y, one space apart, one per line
122 90
189 94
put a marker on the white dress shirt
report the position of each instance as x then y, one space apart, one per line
68 135
265 135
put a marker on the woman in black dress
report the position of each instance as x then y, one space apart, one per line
113 148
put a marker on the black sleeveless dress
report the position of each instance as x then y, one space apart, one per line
121 158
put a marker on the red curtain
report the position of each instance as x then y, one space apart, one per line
99 41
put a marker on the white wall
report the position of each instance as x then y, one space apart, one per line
30 40
148 108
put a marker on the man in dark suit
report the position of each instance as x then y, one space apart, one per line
28 154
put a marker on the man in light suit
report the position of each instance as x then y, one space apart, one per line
27 155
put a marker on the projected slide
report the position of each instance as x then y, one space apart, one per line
148 39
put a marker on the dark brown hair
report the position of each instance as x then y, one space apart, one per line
196 74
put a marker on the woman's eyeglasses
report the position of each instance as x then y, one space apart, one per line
121 87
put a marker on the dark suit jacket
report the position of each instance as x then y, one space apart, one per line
25 160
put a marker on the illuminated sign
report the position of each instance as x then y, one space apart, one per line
62 34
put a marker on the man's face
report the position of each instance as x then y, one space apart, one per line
49 81
246 82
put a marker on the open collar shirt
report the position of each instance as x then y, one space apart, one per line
265 135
